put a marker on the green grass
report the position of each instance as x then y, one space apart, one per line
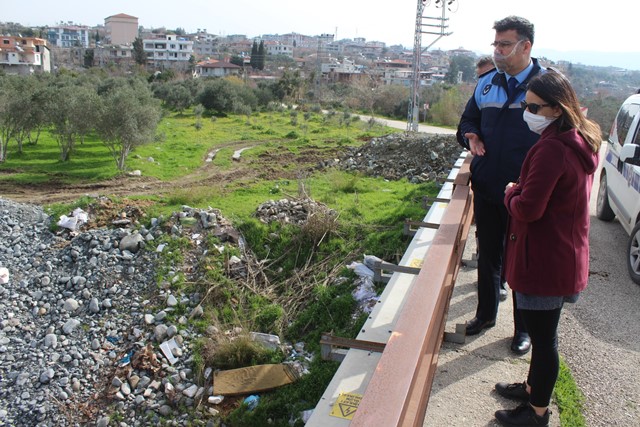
89 162
569 399
179 148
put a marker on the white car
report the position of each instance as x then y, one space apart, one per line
619 193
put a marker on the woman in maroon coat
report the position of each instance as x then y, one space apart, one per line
547 242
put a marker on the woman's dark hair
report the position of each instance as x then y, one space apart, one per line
523 27
556 90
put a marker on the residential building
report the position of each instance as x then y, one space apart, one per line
214 68
168 51
276 48
121 29
69 35
24 55
336 71
205 44
112 54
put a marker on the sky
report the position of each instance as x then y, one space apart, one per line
565 29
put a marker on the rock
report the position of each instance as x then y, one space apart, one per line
70 305
51 340
165 410
171 331
190 391
70 325
131 242
160 333
94 305
172 301
198 311
102 422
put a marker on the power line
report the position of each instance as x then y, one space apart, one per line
435 26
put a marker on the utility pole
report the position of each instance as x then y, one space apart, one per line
435 26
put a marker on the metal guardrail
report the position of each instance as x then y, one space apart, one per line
399 390
395 385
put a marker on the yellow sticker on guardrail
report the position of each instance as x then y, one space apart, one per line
346 405
417 263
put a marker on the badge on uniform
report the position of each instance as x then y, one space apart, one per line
486 89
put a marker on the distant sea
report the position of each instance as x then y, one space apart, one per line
626 60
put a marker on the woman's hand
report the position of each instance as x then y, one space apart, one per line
509 185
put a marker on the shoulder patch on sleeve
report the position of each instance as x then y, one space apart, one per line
486 89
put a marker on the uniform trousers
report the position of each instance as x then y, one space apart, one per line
491 227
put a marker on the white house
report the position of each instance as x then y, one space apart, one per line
213 68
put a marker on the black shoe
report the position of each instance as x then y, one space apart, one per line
516 391
521 343
475 325
522 416
503 294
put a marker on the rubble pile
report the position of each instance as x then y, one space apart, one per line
288 211
83 317
417 157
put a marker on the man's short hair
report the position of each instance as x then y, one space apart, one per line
523 27
484 61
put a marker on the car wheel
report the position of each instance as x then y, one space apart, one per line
603 210
633 254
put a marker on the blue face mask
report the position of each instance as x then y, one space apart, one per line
536 122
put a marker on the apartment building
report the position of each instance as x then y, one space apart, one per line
168 51
276 48
205 44
24 55
69 35
121 29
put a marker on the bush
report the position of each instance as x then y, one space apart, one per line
238 353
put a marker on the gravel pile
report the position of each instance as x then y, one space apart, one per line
81 311
418 157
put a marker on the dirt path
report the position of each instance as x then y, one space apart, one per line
275 164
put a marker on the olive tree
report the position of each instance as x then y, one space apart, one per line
72 114
8 124
129 116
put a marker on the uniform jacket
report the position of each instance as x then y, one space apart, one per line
547 241
499 124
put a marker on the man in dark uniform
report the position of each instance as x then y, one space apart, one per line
493 130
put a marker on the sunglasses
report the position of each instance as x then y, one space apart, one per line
532 107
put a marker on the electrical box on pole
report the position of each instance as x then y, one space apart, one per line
435 26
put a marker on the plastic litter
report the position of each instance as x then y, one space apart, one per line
4 275
126 359
364 292
75 221
252 401
167 348
215 400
